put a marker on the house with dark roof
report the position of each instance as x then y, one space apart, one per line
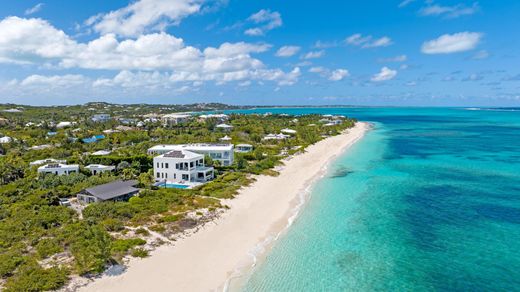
118 190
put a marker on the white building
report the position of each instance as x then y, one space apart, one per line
101 153
101 118
220 152
243 148
276 137
48 161
225 139
224 127
5 140
181 166
175 119
61 125
99 168
59 169
288 131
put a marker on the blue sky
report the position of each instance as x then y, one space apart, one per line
402 52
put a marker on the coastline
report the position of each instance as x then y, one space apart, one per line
210 258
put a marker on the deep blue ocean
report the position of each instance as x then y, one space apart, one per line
429 200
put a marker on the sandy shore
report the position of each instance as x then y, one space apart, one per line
206 260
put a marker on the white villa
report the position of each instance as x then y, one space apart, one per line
5 140
48 161
182 166
99 168
276 137
59 169
61 125
288 131
220 152
175 119
243 148
224 127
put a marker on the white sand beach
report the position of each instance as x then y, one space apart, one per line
205 260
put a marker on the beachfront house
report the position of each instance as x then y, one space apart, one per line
115 191
288 131
58 169
219 152
175 119
99 168
181 166
243 148
100 118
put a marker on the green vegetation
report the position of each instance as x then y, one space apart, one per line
42 242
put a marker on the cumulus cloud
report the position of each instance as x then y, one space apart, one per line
287 51
399 58
144 15
384 75
266 20
449 11
367 41
35 41
314 55
36 8
54 81
338 74
452 43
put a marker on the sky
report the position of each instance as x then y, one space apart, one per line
261 52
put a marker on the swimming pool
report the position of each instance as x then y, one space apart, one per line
175 186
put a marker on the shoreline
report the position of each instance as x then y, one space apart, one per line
224 250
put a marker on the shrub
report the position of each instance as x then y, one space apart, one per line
32 277
47 247
139 253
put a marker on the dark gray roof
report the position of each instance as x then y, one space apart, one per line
174 154
113 190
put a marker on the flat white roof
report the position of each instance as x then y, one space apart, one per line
181 154
58 166
193 147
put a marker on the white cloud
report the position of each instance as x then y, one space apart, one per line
54 81
367 41
405 3
144 15
287 51
266 19
35 41
449 11
314 55
384 75
317 70
338 74
480 55
452 43
399 58
36 8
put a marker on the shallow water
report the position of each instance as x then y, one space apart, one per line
427 201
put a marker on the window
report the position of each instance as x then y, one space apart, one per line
191 164
157 164
166 165
158 175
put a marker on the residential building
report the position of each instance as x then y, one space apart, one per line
220 152
225 139
288 131
99 168
63 125
276 137
224 127
48 161
101 153
5 140
100 118
181 166
58 169
175 119
115 191
243 148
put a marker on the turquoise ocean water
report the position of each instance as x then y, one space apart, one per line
427 201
